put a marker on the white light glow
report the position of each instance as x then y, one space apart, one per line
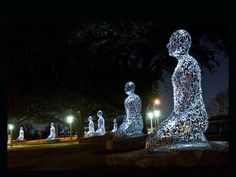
150 115
11 126
70 119
133 122
101 124
189 120
157 101
157 113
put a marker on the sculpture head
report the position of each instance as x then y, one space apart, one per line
129 88
90 118
52 124
179 43
21 128
99 114
114 120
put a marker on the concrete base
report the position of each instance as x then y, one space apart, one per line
216 155
95 144
123 144
95 139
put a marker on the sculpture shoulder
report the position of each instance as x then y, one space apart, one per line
132 98
189 63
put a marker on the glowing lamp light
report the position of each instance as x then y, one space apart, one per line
157 113
156 101
11 126
150 115
70 119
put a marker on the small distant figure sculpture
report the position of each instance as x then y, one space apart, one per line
133 123
114 126
101 124
91 131
52 134
187 123
21 134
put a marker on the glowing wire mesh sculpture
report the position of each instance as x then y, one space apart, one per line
21 134
114 126
52 134
91 131
101 124
187 123
133 123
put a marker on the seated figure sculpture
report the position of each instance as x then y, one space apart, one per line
133 122
101 124
185 126
91 131
52 134
114 126
21 134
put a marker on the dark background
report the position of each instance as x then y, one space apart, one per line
210 12
60 68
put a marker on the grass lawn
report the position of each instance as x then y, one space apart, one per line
58 156
92 157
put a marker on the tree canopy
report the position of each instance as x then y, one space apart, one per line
85 65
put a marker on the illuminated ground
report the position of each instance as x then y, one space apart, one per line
58 156
84 157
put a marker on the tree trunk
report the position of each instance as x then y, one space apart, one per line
80 127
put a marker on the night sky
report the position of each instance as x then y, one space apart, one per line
96 59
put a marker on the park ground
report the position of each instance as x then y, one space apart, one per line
71 156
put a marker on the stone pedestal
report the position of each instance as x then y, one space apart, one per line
95 144
216 155
95 139
123 144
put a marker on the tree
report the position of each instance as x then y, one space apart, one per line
219 105
96 59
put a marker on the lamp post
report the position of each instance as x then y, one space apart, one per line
11 126
150 116
157 114
70 120
156 102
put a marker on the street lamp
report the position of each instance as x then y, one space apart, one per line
157 114
11 127
70 120
150 116
156 102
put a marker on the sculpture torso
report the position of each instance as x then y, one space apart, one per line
91 131
91 126
132 106
21 135
114 127
52 134
186 81
101 126
133 123
188 121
